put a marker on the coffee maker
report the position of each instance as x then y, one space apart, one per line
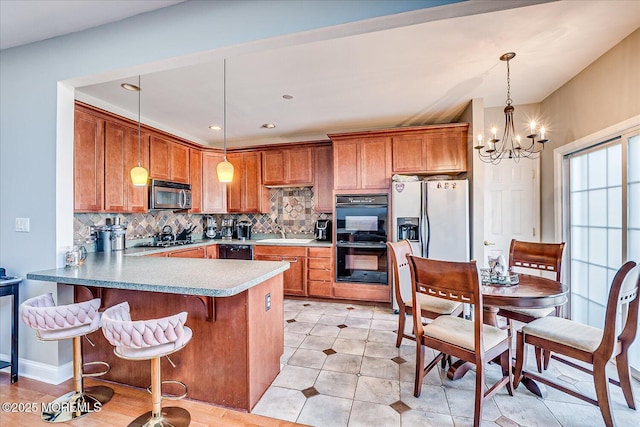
243 230
322 230
211 228
227 226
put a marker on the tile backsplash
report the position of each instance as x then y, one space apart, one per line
291 207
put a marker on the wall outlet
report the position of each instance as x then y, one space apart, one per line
22 225
267 302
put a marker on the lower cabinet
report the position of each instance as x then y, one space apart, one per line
319 272
188 253
295 281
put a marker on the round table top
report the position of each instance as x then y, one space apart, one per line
531 292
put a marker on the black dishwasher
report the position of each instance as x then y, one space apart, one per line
232 251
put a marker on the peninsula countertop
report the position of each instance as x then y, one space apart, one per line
185 276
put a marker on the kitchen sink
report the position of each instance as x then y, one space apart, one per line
285 241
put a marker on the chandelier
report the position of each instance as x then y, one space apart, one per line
511 146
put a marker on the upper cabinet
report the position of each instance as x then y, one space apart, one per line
169 160
244 193
287 166
214 192
323 178
195 179
88 163
430 149
361 163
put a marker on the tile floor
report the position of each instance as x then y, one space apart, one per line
340 367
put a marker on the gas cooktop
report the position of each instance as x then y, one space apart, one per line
166 243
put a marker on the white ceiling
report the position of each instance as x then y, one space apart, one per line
407 75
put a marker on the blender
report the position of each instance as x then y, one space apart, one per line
211 228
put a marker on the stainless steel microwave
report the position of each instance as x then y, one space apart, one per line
169 195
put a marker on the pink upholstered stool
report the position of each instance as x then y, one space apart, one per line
53 322
150 340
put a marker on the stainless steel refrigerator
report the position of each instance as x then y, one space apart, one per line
434 217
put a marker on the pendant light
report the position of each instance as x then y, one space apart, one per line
139 175
224 168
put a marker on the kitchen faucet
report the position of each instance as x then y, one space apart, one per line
280 228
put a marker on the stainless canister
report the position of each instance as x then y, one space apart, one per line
118 237
105 237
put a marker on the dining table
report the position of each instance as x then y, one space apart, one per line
530 292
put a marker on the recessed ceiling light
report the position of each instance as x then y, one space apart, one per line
215 127
130 86
287 96
268 125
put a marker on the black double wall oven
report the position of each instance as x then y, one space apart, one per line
361 234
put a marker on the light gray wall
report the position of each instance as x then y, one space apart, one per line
603 94
29 94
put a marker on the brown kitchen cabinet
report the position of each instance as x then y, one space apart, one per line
319 272
214 193
88 163
195 179
361 163
211 252
169 160
323 179
289 166
188 253
244 193
295 280
431 149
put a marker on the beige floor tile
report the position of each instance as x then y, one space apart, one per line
358 322
307 358
383 336
384 324
379 368
346 363
281 403
317 343
354 333
362 312
347 346
366 414
432 398
325 411
296 377
378 349
377 390
337 384
332 320
299 327
325 331
414 418
461 404
292 339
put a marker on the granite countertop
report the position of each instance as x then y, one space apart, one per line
186 276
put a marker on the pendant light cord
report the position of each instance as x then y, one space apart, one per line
224 106
139 90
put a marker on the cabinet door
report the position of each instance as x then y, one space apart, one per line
179 163
273 167
346 165
299 166
375 163
409 153
323 179
137 197
211 252
88 163
214 198
115 186
252 183
234 188
195 179
446 151
295 276
159 158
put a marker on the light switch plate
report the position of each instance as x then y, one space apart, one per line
267 302
22 225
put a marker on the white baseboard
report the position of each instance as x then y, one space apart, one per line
49 374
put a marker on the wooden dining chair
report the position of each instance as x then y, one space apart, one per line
431 307
536 256
588 344
468 340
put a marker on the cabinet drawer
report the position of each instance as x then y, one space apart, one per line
286 251
319 264
320 252
321 275
320 289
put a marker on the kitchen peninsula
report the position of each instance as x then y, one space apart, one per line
235 309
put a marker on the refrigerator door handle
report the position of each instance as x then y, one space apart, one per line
425 227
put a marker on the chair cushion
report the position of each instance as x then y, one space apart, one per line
532 312
53 322
460 332
434 304
566 332
144 339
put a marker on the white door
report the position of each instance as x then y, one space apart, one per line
511 204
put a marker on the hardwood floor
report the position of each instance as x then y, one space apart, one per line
127 404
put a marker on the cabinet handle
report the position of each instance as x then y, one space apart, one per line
290 260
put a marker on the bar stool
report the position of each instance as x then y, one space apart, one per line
150 340
60 322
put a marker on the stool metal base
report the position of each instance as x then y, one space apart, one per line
169 417
75 405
